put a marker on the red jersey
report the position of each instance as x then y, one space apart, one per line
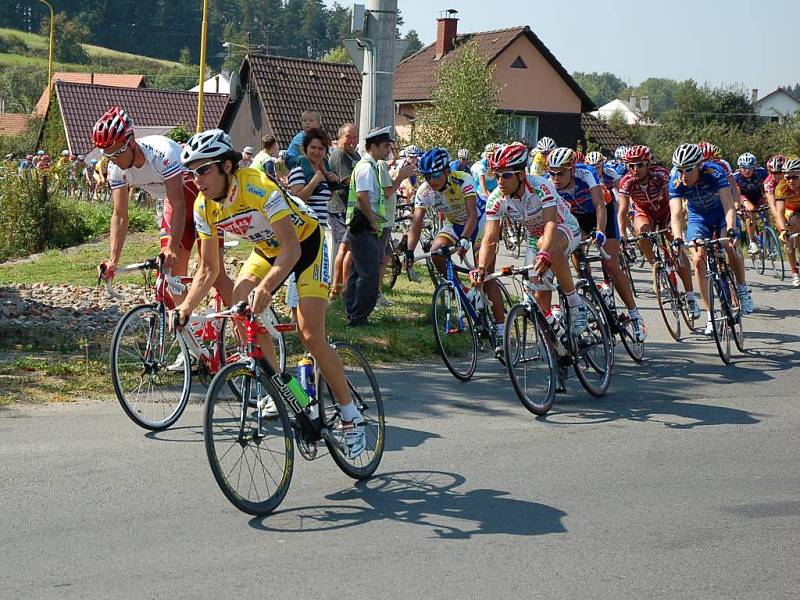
651 198
770 184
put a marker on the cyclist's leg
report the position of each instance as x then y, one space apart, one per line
446 236
612 266
793 221
253 271
642 223
698 229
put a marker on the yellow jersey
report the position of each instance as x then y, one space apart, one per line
538 164
253 204
791 199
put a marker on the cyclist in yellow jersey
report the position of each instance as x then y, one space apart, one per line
249 204
539 162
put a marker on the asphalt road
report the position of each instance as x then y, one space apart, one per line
682 482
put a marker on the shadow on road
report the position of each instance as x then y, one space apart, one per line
423 498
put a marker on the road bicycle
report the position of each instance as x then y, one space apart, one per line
769 255
251 454
538 352
727 318
619 324
627 256
463 323
404 214
152 369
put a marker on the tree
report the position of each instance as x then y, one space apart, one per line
601 87
67 41
463 113
661 93
414 43
337 55
185 57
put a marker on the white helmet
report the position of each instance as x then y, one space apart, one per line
206 144
595 157
248 150
546 144
791 165
413 151
65 153
81 157
747 161
620 152
463 153
561 157
687 156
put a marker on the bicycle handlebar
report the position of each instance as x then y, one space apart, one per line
702 243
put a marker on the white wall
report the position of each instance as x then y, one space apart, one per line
777 104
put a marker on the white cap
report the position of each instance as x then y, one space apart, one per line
248 150
387 132
65 153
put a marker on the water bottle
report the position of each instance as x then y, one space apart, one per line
305 375
605 292
296 389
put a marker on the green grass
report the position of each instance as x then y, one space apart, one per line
52 378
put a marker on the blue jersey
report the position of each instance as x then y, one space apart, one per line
618 167
704 196
751 188
481 167
610 176
579 196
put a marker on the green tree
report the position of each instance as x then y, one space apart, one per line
180 133
337 55
414 43
463 113
661 93
21 88
185 57
67 39
601 87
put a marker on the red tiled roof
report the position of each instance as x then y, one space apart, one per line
415 76
13 123
82 104
112 79
288 86
599 133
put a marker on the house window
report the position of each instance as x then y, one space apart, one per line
518 63
523 128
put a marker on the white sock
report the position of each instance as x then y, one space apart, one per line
741 287
349 411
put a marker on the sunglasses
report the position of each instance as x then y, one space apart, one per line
557 173
434 175
118 152
507 174
636 165
688 170
202 169
791 177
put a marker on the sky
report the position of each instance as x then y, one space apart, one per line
730 42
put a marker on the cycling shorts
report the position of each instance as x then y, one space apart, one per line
704 226
573 241
658 220
454 231
757 203
310 271
588 221
189 232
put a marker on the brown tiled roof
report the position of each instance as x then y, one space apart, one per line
82 104
599 133
415 76
112 79
13 123
288 86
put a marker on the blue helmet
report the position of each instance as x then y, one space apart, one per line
747 161
435 159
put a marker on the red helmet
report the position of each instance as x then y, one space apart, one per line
512 156
579 157
638 154
113 127
775 163
709 150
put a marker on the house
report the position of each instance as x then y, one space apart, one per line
597 133
776 105
275 90
627 110
79 105
13 124
218 84
110 79
537 93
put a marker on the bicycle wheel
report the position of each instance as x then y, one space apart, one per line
626 268
152 380
530 362
772 254
252 461
733 310
719 320
668 303
487 324
634 348
521 239
392 272
455 334
367 395
593 354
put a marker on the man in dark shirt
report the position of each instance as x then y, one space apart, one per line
342 160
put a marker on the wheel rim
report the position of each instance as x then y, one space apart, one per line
593 355
719 322
669 305
455 334
529 359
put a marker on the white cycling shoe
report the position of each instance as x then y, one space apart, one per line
693 306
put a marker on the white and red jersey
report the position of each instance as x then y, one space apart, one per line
770 184
537 194
652 197
162 161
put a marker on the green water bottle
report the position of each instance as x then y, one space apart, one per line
297 390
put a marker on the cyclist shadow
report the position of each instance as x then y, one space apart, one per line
399 438
428 499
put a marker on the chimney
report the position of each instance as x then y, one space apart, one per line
632 101
754 95
91 78
446 31
644 103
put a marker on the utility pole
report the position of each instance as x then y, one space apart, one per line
377 89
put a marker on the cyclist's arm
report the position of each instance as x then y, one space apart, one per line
770 196
780 215
205 276
482 185
177 223
676 217
416 227
599 207
488 251
726 197
622 212
119 223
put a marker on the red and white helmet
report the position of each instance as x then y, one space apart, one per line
638 154
512 156
710 150
113 127
775 163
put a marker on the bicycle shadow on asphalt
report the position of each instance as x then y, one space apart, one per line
429 499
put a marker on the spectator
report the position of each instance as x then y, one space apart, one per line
266 159
342 160
366 213
310 119
247 157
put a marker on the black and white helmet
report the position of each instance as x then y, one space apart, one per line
687 156
791 165
206 144
546 144
463 154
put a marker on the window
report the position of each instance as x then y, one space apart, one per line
523 128
518 63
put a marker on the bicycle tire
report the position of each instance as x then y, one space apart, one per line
235 439
393 272
720 327
151 373
596 334
515 347
448 298
733 310
367 395
667 301
520 235
626 268
634 348
772 250
488 324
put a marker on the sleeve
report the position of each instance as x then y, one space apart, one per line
116 177
496 206
467 186
675 186
297 177
337 164
295 145
720 179
205 230
589 178
364 176
383 174
269 167
625 186
424 196
276 207
167 159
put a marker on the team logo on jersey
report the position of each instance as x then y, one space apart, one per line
236 225
255 190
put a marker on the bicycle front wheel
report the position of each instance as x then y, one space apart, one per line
719 320
668 303
455 333
593 353
530 362
366 394
772 254
251 458
152 379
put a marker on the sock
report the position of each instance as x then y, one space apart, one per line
708 315
634 313
500 328
573 298
349 412
741 287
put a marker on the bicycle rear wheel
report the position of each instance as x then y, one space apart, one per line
719 320
772 254
530 362
252 460
668 303
593 353
456 338
152 380
367 395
